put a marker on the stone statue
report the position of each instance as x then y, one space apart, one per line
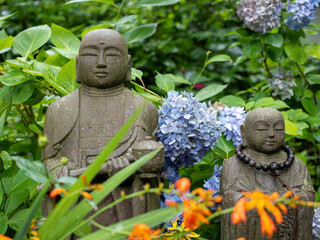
80 124
264 163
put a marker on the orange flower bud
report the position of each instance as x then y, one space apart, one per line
87 195
34 233
55 192
183 185
84 180
171 203
3 237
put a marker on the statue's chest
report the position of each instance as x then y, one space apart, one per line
101 117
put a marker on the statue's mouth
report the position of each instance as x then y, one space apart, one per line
270 143
101 74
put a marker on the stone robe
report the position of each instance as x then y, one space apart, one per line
236 177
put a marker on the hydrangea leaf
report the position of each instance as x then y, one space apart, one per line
273 39
210 91
14 77
309 106
7 161
290 128
313 50
231 100
139 33
164 82
252 49
3 223
219 58
154 3
295 52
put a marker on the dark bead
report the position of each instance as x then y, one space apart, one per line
277 172
291 156
252 163
281 166
273 167
287 164
290 160
241 156
258 166
285 147
246 160
265 167
238 153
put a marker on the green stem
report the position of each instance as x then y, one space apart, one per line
120 9
147 90
233 8
308 84
203 68
108 229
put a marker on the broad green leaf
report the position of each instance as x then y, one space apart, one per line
255 63
15 199
6 17
140 33
125 19
224 147
240 59
249 105
67 77
164 82
5 44
295 52
4 105
33 169
20 63
264 102
7 161
3 223
178 79
309 106
309 32
155 3
314 26
313 50
314 78
252 49
22 93
275 54
231 100
29 40
278 104
17 219
63 207
273 39
3 34
20 181
219 58
64 40
14 77
150 97
57 60
101 1
290 128
83 231
136 73
210 91
42 55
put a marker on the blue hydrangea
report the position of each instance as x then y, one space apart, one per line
187 129
303 12
231 119
316 224
170 172
213 182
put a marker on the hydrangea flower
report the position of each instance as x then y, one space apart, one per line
187 129
260 15
231 119
316 224
213 182
303 12
282 84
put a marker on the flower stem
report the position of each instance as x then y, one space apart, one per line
308 84
203 68
147 90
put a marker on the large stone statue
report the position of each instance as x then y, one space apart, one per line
80 124
265 164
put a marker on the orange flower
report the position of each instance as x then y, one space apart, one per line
3 237
183 185
242 238
194 213
267 225
87 195
239 211
55 192
171 203
143 232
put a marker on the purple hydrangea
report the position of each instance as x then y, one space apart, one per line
316 224
213 182
282 84
260 15
231 119
303 12
187 129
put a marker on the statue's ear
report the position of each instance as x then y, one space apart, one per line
243 135
77 71
128 78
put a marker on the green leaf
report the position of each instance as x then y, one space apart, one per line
136 73
14 77
22 93
252 49
3 34
67 77
240 59
219 58
156 3
83 231
309 106
101 1
15 199
314 78
67 44
290 128
164 82
5 44
313 50
17 219
295 52
231 100
275 54
264 102
224 148
210 91
140 33
273 39
314 26
7 161
150 97
3 223
21 181
7 16
33 169
29 40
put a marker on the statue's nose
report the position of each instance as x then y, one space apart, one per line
101 60
271 132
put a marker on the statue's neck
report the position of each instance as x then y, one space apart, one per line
102 92
265 158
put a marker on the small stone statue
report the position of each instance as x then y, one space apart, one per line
264 163
80 124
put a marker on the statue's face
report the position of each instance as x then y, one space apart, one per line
265 133
103 59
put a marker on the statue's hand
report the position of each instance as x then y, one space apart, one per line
114 165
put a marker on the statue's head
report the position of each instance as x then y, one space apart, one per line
103 59
263 130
